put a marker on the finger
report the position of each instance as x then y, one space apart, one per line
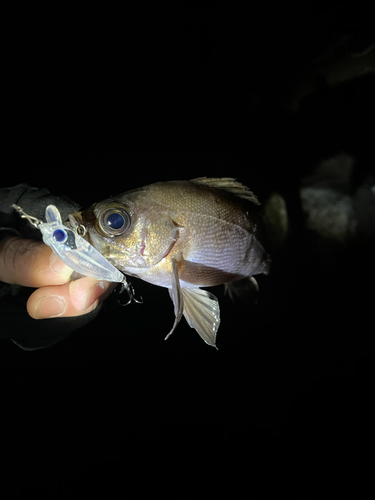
31 263
70 299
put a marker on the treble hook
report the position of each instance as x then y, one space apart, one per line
128 287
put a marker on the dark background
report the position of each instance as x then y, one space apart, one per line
96 103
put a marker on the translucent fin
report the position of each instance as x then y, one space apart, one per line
202 312
228 184
276 220
245 289
176 295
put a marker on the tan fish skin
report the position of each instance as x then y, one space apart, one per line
182 235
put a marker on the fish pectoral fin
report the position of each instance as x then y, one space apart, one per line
200 308
202 312
176 294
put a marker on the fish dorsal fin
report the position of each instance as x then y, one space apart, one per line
228 184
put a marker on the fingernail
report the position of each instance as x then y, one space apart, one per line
50 307
82 299
58 266
94 293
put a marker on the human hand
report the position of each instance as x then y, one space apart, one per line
31 263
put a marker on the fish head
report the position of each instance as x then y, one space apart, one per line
131 232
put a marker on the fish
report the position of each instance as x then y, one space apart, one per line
183 235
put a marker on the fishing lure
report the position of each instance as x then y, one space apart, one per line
75 251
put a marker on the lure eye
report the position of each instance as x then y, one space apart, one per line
60 235
114 220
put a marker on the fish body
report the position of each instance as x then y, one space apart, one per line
182 235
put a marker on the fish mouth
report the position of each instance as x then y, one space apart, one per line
83 228
74 220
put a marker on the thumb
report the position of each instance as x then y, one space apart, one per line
31 263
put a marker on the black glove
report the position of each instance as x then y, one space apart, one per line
15 323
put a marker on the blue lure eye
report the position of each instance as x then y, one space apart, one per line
60 235
114 220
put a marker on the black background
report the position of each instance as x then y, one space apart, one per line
96 103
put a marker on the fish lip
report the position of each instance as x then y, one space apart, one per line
77 216
75 220
75 223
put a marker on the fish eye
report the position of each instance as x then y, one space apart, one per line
114 220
